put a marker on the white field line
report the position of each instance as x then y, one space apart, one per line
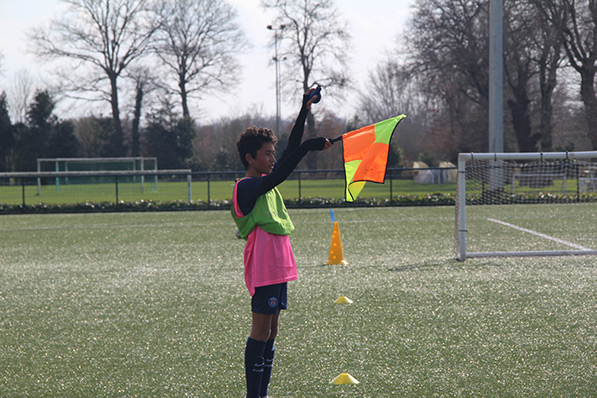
539 234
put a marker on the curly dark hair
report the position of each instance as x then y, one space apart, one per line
251 140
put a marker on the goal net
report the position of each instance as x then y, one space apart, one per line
65 165
526 204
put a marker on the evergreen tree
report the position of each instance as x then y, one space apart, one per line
6 135
43 136
171 143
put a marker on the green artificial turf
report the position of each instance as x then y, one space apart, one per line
154 304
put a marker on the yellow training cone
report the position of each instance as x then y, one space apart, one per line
344 378
336 253
343 300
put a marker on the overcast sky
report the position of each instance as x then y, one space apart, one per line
374 25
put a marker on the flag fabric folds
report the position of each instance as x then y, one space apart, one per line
366 152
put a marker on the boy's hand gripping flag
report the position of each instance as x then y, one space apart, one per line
366 152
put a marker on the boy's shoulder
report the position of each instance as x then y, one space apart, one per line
248 181
249 184
247 191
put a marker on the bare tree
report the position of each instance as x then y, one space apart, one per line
577 23
315 42
548 56
450 39
450 52
145 82
21 92
519 70
392 89
449 46
107 35
197 42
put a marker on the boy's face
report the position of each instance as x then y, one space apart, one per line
264 162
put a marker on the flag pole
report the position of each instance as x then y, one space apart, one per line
338 138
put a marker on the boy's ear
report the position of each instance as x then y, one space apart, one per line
249 157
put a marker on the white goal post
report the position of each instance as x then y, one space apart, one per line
494 183
66 165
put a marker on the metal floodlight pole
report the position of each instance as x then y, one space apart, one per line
496 95
496 67
277 64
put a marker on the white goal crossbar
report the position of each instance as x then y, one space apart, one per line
61 165
496 176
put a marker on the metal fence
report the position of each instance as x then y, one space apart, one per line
119 187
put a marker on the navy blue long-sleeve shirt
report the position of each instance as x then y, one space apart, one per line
250 189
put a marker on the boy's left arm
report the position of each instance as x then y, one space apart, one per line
296 135
288 164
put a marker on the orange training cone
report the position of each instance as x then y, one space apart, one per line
336 253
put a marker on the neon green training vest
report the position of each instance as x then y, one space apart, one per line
269 213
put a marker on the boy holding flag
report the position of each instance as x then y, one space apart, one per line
262 219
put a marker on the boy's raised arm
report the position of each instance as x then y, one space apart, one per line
295 151
296 135
291 160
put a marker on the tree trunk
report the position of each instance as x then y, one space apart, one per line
545 122
184 99
136 120
519 110
311 158
547 83
587 94
522 125
118 139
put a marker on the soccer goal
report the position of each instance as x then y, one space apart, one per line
60 165
526 204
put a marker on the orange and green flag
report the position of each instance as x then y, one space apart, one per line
366 152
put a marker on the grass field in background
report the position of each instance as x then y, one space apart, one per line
154 304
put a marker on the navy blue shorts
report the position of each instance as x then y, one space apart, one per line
270 299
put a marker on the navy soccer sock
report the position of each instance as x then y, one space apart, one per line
254 366
268 355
